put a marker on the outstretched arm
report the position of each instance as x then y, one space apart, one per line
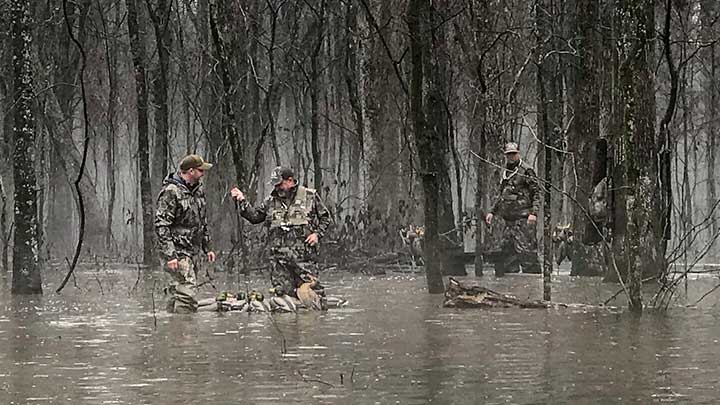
247 211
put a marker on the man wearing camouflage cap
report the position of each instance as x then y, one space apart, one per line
182 231
296 220
517 204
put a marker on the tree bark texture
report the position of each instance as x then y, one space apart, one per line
585 131
137 47
26 271
637 146
426 141
160 17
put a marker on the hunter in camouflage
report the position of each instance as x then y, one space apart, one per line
182 231
296 220
517 204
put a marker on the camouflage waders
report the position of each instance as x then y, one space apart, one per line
518 249
288 270
182 287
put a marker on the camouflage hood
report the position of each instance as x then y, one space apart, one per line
174 178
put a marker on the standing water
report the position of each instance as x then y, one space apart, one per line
109 341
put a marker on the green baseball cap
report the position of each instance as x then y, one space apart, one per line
194 162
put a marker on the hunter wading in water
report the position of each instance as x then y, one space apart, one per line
517 204
182 231
296 220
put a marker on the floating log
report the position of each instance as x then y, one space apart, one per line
470 294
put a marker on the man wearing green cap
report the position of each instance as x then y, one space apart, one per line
181 227
518 204
296 220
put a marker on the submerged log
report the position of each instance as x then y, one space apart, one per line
469 294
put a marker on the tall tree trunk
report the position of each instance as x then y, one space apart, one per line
437 68
428 144
111 54
637 146
137 47
228 111
160 17
709 9
274 95
26 271
350 70
550 120
315 96
584 133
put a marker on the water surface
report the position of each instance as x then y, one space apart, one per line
108 341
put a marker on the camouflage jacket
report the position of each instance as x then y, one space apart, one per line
290 218
180 219
519 193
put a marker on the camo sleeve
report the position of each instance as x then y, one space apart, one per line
534 189
321 216
252 214
164 218
205 243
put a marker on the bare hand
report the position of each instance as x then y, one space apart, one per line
312 239
173 264
211 256
532 219
237 194
489 218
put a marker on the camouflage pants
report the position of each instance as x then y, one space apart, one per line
288 271
182 287
518 248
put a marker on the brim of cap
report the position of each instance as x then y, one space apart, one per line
511 151
205 166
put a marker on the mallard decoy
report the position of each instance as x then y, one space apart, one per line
279 304
290 302
257 306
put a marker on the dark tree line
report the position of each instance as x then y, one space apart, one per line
396 111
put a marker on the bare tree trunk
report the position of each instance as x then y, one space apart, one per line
26 271
437 68
585 131
418 19
137 47
709 9
160 17
111 54
350 70
315 95
228 111
273 96
550 121
638 149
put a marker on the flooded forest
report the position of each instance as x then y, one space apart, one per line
400 114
